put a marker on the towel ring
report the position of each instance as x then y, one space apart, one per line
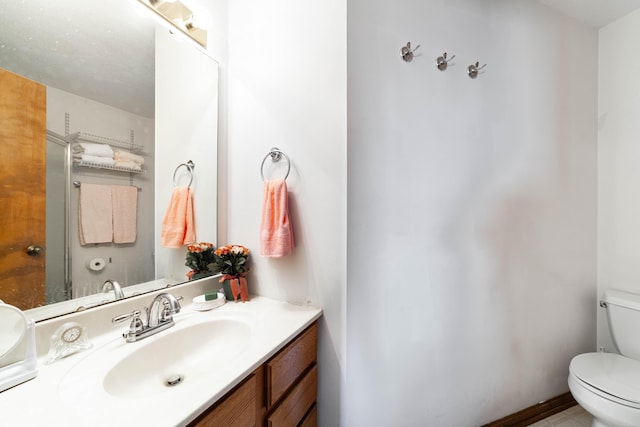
275 155
189 165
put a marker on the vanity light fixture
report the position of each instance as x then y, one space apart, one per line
179 16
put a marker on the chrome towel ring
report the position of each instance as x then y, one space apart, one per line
275 155
189 165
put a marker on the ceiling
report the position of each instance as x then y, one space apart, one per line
106 48
595 13
101 50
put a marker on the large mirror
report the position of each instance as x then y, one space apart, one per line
114 78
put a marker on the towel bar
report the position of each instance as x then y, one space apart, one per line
275 155
79 183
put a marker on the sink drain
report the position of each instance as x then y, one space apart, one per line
174 380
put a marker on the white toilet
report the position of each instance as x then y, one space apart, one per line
607 385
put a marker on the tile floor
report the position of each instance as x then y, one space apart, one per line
572 417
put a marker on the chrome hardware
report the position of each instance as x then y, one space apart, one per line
110 284
407 52
159 317
174 380
34 250
189 166
276 156
135 328
442 62
473 69
158 314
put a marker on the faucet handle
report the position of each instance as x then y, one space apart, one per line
168 310
166 314
136 322
122 317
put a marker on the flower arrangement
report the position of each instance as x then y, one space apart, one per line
231 261
200 259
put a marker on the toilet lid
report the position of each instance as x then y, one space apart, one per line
611 373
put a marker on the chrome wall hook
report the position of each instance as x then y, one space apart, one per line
472 70
442 61
407 52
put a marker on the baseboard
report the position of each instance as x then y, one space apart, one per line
536 413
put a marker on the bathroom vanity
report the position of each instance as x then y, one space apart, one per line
241 364
281 392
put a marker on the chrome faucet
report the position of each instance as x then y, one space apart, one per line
159 317
162 309
115 286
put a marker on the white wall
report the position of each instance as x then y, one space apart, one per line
471 210
185 131
618 171
287 88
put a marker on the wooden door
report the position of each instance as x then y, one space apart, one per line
23 142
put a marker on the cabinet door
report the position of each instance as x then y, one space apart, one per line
237 409
23 136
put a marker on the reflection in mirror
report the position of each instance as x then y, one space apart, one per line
97 61
57 254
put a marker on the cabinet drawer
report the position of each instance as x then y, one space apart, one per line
287 366
292 410
311 419
238 409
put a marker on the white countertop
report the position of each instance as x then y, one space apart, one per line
41 402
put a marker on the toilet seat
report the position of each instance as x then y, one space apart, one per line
611 376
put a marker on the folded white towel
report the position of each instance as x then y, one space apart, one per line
123 155
103 161
91 149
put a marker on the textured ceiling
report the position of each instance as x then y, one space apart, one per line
104 50
101 50
596 13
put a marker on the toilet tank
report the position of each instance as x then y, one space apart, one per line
623 313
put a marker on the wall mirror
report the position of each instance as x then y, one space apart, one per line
99 63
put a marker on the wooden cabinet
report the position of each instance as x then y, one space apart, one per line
297 403
287 367
280 393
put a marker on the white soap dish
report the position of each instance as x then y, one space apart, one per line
200 304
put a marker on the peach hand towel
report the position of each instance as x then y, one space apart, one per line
178 224
125 210
95 214
276 232
126 156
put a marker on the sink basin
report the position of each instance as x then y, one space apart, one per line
175 357
164 367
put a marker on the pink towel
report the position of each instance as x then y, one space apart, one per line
125 207
276 232
178 224
95 214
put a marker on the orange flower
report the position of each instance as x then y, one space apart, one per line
231 260
200 257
